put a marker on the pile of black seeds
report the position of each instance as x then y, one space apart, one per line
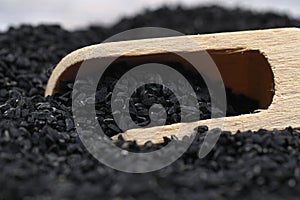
41 156
147 95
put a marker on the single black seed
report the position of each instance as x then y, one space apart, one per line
202 129
69 124
173 137
166 140
148 144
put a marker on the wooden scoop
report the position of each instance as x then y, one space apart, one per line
262 64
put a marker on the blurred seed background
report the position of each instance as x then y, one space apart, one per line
79 14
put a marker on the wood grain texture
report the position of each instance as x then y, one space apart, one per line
281 48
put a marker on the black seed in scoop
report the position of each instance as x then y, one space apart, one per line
150 94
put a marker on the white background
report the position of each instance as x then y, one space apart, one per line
73 14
